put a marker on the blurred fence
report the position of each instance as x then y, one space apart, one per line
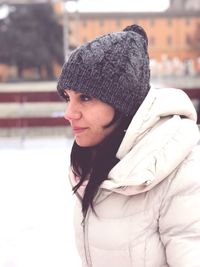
23 119
31 109
28 109
53 119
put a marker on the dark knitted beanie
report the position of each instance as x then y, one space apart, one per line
113 68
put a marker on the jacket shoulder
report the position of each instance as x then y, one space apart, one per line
179 218
185 180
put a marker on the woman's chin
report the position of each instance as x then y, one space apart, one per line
84 142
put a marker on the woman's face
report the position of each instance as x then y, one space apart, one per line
88 118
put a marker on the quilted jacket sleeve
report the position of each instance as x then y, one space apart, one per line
179 222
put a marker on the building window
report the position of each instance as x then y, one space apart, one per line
101 22
85 39
84 23
152 40
169 40
152 22
118 23
188 39
187 22
169 22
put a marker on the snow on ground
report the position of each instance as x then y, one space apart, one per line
36 204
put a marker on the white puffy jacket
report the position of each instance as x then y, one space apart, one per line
148 211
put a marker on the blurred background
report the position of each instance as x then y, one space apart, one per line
37 36
36 204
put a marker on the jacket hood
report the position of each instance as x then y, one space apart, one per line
161 135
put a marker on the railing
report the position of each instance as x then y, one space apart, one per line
25 97
31 121
22 97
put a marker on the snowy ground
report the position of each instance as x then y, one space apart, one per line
36 204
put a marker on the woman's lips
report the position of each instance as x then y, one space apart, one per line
78 130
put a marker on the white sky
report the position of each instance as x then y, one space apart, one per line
118 5
4 11
108 6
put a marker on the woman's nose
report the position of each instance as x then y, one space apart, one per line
72 112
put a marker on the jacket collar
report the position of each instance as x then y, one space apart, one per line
161 135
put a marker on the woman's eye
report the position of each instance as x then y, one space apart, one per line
85 98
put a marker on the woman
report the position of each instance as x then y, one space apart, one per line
135 160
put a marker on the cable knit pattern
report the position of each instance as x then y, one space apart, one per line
113 68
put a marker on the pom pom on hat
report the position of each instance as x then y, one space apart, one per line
136 28
113 68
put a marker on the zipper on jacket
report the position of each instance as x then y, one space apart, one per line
84 242
85 231
85 239
85 225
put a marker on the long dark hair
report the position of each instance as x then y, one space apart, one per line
94 163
